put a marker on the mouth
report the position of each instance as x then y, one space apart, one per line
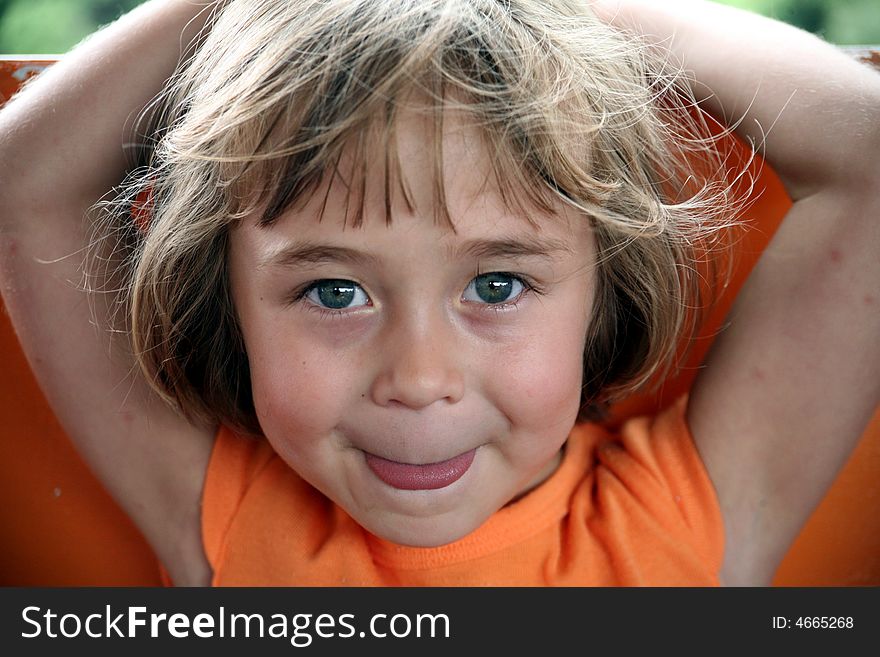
426 476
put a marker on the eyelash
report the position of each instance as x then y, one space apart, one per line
529 287
300 296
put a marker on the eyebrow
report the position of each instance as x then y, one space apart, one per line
527 246
302 254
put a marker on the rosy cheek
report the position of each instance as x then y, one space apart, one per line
553 390
544 379
522 388
297 392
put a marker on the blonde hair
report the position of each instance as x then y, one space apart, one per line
573 111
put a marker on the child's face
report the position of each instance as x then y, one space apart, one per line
379 349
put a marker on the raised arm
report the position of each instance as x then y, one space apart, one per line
789 386
61 149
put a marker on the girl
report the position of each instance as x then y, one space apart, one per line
374 260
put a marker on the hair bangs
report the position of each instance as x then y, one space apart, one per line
329 126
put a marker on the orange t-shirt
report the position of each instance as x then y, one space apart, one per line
634 508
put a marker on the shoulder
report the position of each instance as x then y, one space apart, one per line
656 459
647 502
235 465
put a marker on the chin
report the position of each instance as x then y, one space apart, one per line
423 532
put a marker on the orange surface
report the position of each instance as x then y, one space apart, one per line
58 527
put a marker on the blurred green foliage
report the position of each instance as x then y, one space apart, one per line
54 26
845 22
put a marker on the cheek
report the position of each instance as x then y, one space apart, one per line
553 381
541 378
298 389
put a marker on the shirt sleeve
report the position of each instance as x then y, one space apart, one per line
235 463
656 461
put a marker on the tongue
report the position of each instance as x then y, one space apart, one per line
429 476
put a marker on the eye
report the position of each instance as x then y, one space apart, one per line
494 288
334 294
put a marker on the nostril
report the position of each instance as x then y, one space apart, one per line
418 389
418 363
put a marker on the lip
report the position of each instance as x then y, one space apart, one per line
427 476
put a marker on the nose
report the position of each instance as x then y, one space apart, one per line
420 364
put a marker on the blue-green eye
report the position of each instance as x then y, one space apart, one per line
494 288
335 294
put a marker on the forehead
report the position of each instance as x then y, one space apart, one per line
436 174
